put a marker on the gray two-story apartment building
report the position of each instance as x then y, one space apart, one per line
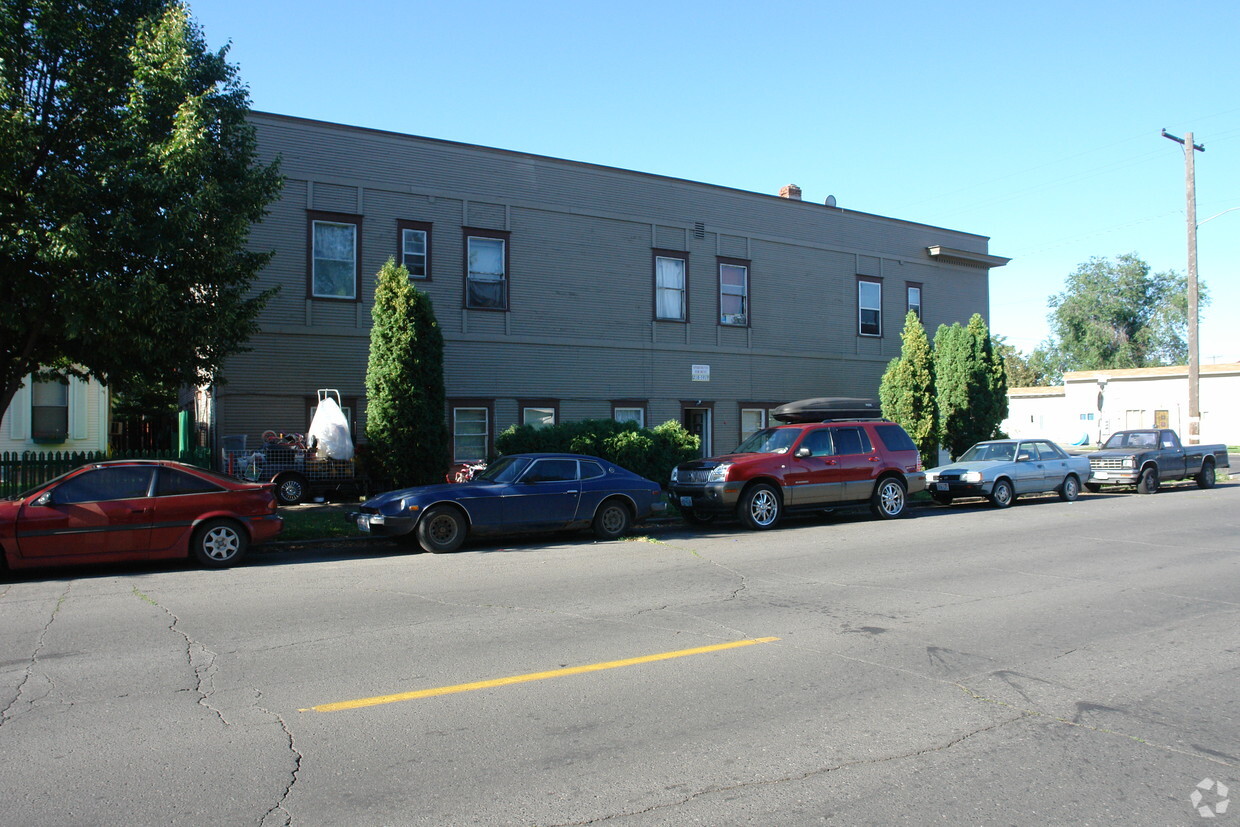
569 290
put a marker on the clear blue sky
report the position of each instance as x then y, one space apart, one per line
1036 124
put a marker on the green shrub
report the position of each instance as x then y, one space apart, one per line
651 452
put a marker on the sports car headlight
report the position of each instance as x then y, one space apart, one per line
972 476
409 505
719 473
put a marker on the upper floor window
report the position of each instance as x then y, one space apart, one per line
49 410
733 292
869 306
335 256
670 284
914 298
486 270
414 250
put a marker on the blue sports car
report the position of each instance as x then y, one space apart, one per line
518 492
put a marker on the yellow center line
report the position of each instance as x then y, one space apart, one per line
532 676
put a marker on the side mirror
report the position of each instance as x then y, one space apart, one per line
45 499
803 452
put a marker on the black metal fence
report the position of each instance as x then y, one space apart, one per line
20 471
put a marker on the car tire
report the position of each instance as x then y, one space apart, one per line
697 516
441 530
1206 477
1002 495
889 499
1071 488
942 499
760 507
1093 487
612 520
1147 483
290 489
219 543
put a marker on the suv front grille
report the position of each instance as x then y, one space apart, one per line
695 475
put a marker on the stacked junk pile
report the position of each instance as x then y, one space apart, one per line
317 465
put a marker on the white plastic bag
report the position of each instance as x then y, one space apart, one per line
329 431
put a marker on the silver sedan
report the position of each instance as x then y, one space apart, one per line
1003 469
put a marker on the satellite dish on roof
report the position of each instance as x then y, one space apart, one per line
830 201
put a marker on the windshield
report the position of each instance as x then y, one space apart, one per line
989 452
504 469
1132 439
769 441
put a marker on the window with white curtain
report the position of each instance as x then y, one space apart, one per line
637 415
487 277
752 421
669 276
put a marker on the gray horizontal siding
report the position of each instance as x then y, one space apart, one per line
580 325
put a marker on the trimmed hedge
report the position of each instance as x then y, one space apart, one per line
651 452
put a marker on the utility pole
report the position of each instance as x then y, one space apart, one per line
1194 359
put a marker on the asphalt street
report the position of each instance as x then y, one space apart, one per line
1053 663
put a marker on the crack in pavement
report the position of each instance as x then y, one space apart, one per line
7 714
801 776
201 660
278 810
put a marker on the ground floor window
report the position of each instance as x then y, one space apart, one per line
629 410
49 410
470 433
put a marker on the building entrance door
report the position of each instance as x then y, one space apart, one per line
697 422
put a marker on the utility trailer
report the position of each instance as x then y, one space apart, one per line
299 466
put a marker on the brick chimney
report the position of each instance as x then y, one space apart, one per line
791 191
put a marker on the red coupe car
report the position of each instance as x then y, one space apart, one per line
124 510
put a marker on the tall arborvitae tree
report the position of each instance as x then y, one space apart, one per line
129 180
907 390
988 392
405 424
971 389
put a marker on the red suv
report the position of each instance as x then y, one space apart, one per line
803 467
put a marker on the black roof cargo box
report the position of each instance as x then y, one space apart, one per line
825 408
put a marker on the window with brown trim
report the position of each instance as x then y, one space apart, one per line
486 269
671 286
913 292
869 306
333 256
471 428
734 292
629 410
539 413
413 247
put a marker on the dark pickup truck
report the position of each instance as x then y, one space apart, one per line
1150 457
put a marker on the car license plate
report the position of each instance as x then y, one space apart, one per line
363 522
687 502
1101 475
941 486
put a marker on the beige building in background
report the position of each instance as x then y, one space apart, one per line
1093 404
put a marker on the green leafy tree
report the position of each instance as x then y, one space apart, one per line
128 186
1116 314
405 399
969 383
907 394
1039 368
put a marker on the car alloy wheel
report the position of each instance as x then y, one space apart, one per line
889 499
219 543
1001 495
760 508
